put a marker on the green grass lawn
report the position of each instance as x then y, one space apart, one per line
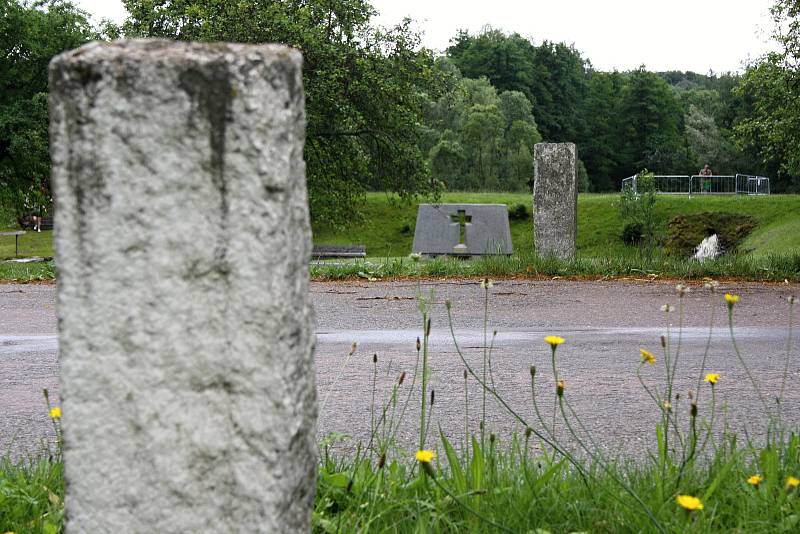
387 226
30 244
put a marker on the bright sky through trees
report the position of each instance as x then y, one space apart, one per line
695 35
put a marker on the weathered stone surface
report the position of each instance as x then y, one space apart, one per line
555 199
462 229
185 329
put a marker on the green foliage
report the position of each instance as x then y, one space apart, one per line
771 124
30 35
480 139
364 86
638 209
769 121
519 212
32 496
652 125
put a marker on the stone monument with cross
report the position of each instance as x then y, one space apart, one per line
462 230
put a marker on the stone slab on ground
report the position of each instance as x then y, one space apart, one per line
555 200
185 325
462 230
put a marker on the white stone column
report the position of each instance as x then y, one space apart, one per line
555 200
185 326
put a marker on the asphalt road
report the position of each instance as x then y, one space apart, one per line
604 324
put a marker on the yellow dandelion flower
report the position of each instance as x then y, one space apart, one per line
731 299
647 356
554 341
425 456
792 483
689 503
55 412
712 378
755 480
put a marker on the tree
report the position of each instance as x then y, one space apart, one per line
707 142
507 61
365 87
603 145
769 126
653 119
30 35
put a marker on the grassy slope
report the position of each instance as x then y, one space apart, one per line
599 223
30 244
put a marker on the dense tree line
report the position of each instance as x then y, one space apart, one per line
386 114
670 122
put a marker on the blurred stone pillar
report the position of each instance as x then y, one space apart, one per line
185 326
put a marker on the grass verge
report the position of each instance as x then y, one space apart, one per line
773 267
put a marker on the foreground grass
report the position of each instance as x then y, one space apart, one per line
32 496
504 489
27 272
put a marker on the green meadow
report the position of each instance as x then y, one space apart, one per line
387 224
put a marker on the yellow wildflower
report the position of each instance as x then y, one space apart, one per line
647 356
425 456
731 299
55 412
689 503
560 388
712 378
554 341
755 480
792 483
486 284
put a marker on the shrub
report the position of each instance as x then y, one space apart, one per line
639 208
519 212
632 233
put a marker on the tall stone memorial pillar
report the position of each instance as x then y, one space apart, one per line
182 244
555 200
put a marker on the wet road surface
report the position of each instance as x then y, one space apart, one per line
604 324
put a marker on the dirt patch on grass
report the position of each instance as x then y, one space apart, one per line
685 232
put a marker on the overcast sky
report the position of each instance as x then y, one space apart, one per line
697 35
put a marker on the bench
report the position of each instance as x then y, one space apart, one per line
321 252
16 235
